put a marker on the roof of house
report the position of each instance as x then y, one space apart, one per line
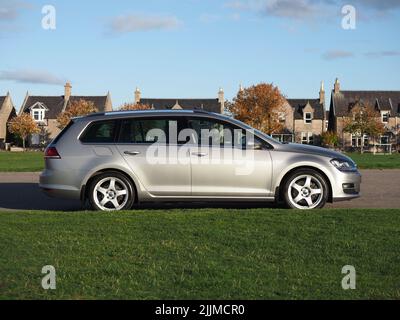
382 100
2 98
299 104
211 105
98 101
55 104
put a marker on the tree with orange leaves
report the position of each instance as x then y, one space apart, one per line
76 109
365 120
260 107
23 126
135 106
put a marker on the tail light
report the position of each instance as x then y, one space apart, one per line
51 153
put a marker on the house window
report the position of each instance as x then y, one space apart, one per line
307 138
357 140
38 113
384 140
308 117
284 138
385 117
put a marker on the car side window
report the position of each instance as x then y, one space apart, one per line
100 132
147 131
209 132
256 144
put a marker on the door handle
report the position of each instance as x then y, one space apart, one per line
199 154
132 153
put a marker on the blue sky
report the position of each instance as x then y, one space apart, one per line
190 48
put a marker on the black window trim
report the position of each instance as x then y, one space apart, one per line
87 127
160 117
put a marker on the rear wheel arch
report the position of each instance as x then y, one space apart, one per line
85 189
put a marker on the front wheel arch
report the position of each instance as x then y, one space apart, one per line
279 190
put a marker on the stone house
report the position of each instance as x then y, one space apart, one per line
216 105
46 109
304 120
7 112
387 106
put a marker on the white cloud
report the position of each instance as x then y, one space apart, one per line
309 9
136 22
381 5
10 10
337 54
379 54
31 76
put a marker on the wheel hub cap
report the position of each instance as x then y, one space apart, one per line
305 192
111 194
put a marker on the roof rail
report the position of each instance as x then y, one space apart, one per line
95 114
201 111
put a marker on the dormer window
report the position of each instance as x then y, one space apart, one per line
385 116
38 112
308 117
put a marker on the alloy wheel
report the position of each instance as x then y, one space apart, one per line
305 192
111 194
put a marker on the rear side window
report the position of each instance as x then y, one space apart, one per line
147 131
100 132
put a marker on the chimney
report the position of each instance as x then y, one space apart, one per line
322 94
67 91
137 96
337 86
241 89
221 99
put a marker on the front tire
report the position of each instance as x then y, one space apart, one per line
305 189
111 191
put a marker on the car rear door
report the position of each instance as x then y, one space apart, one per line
156 159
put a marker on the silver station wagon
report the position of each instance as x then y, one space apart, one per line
118 159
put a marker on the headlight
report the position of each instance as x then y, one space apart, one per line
344 165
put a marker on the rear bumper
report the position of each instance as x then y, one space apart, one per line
54 188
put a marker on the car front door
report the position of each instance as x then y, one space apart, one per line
224 164
156 160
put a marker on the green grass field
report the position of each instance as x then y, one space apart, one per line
201 254
371 161
21 161
33 161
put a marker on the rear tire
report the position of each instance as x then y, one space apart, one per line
111 191
305 189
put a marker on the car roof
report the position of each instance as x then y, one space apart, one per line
150 113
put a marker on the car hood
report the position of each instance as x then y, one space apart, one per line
302 148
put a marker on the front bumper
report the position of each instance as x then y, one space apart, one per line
347 186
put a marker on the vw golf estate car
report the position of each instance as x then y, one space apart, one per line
114 161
